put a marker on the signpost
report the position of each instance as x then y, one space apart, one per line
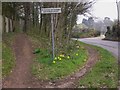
51 11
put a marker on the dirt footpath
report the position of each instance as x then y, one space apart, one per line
21 73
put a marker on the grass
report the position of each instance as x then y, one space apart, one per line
104 73
45 68
8 59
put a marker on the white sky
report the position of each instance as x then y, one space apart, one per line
103 8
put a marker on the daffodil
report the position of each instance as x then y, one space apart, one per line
55 58
76 54
61 55
60 59
68 57
54 62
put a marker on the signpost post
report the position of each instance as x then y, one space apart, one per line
51 11
53 41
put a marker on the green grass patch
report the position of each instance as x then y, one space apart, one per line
47 69
64 64
8 59
104 73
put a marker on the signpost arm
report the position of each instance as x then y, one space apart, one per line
53 42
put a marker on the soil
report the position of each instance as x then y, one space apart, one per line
21 76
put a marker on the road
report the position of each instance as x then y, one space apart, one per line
111 46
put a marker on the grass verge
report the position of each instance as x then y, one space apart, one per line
104 73
8 59
64 64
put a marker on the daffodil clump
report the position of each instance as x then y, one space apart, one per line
73 54
58 58
65 57
61 57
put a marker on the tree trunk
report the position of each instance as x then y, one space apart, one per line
27 13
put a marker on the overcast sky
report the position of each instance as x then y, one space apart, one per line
103 8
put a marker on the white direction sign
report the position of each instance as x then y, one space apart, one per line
50 10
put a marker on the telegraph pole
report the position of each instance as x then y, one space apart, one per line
117 3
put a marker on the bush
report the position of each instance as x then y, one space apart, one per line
114 33
85 33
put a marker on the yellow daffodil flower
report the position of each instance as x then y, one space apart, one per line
60 59
54 62
55 58
76 54
61 55
68 57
